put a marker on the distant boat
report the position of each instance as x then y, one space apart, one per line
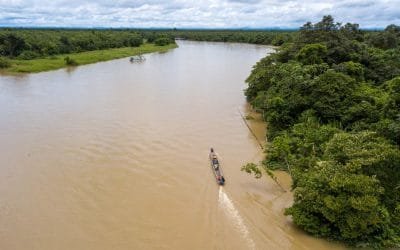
216 168
137 58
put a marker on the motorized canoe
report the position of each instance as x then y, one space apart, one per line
216 167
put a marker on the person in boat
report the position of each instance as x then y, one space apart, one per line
215 163
212 153
214 159
213 156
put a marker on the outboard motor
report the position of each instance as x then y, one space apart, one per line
221 180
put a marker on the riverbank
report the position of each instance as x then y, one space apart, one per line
82 58
331 129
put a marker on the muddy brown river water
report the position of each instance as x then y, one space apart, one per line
114 155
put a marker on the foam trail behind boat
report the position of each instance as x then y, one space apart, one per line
226 204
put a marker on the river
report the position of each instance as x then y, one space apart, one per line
114 155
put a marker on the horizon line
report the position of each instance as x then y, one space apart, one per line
170 28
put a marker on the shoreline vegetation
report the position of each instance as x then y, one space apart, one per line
331 101
36 50
30 50
55 62
24 50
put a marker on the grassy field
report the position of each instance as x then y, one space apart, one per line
57 62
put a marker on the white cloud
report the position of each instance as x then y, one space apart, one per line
191 13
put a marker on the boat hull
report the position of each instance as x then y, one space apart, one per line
216 168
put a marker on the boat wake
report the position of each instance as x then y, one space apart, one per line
226 204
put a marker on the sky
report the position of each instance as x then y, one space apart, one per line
195 13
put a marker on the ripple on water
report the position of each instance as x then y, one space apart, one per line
226 204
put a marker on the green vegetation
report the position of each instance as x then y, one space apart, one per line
266 37
70 61
27 44
58 61
331 100
162 41
34 43
34 50
4 62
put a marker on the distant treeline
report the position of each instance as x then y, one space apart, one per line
332 103
35 43
272 37
26 44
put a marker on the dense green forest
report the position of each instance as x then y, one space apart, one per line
27 44
272 37
35 43
331 99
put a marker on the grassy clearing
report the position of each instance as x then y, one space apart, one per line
57 62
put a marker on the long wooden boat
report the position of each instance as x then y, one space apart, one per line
216 167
